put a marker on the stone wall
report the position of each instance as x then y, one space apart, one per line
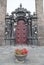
3 4
40 21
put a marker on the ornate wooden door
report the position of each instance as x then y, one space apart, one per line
21 32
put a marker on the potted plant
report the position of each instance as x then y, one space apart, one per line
21 54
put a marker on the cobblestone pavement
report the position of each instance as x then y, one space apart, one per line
35 55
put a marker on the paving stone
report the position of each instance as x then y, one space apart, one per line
35 55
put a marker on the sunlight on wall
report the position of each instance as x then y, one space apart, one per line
13 4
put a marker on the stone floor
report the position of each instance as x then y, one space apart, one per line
35 55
